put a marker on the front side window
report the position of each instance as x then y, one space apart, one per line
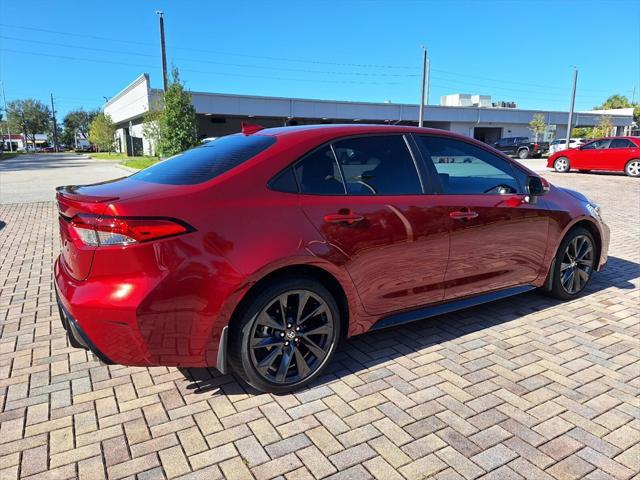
318 173
465 169
377 165
597 145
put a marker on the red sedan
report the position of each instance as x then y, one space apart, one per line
259 251
615 154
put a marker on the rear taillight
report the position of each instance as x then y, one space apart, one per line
104 231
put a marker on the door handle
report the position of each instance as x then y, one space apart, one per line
347 217
463 215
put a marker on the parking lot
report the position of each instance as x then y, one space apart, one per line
527 387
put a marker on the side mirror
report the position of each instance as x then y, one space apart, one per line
536 186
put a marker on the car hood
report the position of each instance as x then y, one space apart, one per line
575 194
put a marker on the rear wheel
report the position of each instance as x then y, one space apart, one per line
561 165
285 336
574 264
523 153
633 168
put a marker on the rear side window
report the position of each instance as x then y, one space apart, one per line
207 161
318 173
377 165
621 143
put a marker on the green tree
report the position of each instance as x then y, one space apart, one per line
29 117
581 132
177 122
77 122
537 125
615 101
151 128
102 132
603 128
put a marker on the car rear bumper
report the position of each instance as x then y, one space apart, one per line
78 338
132 321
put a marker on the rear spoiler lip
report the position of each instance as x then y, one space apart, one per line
66 191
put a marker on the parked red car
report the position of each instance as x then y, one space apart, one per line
260 251
615 154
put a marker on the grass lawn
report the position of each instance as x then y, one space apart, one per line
132 162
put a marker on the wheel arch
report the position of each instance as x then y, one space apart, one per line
327 279
587 224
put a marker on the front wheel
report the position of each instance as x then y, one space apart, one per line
633 168
561 165
523 154
574 264
285 335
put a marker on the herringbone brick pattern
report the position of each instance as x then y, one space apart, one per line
526 387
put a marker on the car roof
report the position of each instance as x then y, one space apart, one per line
350 129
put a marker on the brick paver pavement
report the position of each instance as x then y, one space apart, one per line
526 387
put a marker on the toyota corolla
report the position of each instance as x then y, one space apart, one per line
258 252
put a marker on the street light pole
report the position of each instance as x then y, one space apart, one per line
165 80
573 101
424 74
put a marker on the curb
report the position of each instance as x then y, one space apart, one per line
128 169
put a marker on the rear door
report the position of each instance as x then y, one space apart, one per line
365 197
620 151
497 239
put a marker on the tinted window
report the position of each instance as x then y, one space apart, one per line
285 181
621 143
597 145
318 173
207 161
466 169
377 165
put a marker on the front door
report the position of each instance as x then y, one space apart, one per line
497 239
593 155
365 197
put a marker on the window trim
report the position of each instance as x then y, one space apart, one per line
434 172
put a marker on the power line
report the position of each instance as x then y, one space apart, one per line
201 60
298 60
64 57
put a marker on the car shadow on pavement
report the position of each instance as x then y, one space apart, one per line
2 224
371 349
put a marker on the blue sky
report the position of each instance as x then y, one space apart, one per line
364 50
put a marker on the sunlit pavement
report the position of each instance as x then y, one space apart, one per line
524 388
34 177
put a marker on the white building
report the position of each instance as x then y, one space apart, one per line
221 114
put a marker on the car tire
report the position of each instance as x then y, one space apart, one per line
574 264
277 356
632 168
523 153
561 165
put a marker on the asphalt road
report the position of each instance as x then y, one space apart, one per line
34 177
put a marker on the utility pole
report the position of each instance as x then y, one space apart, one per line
428 80
55 125
165 79
4 100
424 74
573 101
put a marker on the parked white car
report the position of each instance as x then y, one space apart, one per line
559 144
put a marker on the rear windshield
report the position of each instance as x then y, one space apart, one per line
207 161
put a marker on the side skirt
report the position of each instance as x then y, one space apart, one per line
442 308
